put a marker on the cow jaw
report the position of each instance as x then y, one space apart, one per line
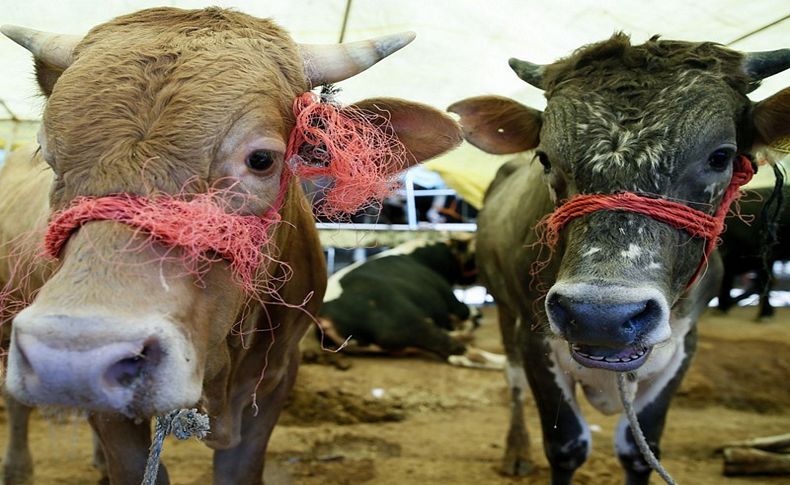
135 366
618 360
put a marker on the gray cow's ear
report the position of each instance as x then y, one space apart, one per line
498 125
771 120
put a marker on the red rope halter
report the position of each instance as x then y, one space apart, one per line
358 149
695 222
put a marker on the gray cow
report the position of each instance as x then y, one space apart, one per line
665 120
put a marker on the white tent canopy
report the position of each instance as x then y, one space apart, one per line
462 46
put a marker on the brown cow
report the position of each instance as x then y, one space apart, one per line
143 105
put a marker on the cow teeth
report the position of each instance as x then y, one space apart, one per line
612 359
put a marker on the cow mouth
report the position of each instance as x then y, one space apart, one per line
618 360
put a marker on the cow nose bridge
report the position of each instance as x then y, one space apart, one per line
606 315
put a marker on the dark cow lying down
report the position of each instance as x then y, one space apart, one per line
147 112
743 244
403 298
663 124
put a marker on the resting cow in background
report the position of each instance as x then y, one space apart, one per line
744 242
403 298
663 125
174 102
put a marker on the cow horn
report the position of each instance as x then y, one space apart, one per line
760 65
54 49
529 72
329 63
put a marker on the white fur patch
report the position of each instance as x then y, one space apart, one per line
333 287
590 252
478 359
633 252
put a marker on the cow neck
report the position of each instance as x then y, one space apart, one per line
695 222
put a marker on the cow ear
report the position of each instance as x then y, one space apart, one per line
426 132
771 118
47 75
53 52
498 125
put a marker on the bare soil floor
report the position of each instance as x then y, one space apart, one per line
416 420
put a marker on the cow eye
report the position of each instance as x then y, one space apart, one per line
721 158
544 160
260 160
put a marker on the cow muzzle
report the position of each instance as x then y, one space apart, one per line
608 326
137 368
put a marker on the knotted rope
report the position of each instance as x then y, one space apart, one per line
182 423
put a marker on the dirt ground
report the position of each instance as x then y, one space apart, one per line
416 420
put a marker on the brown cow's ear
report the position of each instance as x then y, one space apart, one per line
53 52
497 124
425 131
47 75
771 118
771 121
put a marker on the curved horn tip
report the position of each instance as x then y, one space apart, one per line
388 44
20 35
527 71
760 65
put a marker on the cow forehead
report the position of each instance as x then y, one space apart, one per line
630 138
164 90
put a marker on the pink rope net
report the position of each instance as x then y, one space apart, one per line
357 149
199 226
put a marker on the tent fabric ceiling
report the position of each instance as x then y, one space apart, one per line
462 46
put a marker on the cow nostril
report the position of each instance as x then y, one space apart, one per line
643 318
128 370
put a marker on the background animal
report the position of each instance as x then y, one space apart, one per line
161 106
742 249
665 119
403 298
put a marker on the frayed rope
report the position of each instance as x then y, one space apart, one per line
199 226
357 149
181 423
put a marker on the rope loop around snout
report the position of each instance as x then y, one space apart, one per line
695 222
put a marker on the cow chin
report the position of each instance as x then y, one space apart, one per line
608 326
139 367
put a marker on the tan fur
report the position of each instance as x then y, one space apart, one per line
772 117
169 101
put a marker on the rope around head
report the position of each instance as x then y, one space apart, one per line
182 423
627 399
695 222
